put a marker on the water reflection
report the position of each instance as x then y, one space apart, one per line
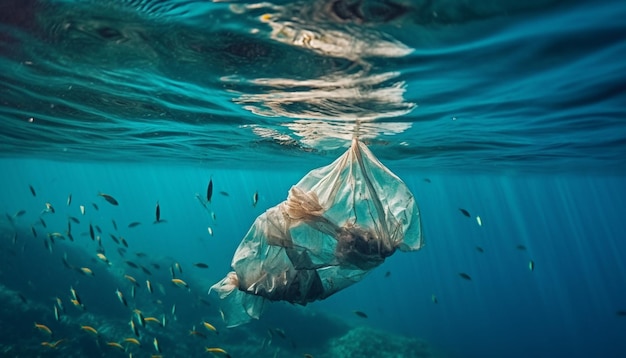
332 106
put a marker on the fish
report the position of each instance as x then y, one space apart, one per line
74 219
132 340
201 265
155 343
216 350
32 229
178 267
388 273
465 276
121 251
78 304
139 316
427 180
149 285
434 299
479 221
134 224
109 198
43 222
173 309
114 224
133 328
132 291
194 332
479 249
210 230
69 236
43 328
180 283
210 327
98 229
32 190
114 239
209 191
89 329
213 216
82 209
57 314
620 313
531 265
201 201
360 314
172 273
22 298
60 304
123 240
307 355
132 280
141 254
146 271
95 206
49 208
103 258
465 212
91 232
69 199
158 213
19 213
52 345
86 271
521 247
224 193
132 264
74 294
163 321
255 199
115 345
153 320
120 296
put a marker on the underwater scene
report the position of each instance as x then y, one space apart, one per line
312 178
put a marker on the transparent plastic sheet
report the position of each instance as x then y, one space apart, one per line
338 223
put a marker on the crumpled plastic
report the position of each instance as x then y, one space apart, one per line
338 223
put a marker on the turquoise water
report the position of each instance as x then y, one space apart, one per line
513 112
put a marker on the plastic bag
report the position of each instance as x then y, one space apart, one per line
338 223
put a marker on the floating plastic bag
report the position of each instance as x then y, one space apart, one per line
338 223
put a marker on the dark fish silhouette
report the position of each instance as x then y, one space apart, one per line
465 276
133 224
114 224
19 213
132 264
621 313
158 212
465 212
109 198
32 190
427 180
255 198
224 193
209 191
479 249
95 206
75 220
201 265
91 233
531 265
388 273
521 247
360 314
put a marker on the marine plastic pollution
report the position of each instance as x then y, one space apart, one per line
338 223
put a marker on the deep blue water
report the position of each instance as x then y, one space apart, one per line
512 111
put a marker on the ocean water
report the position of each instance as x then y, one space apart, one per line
511 111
